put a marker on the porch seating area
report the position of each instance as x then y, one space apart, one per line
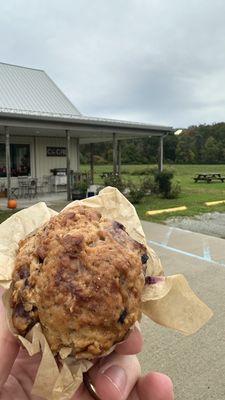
27 187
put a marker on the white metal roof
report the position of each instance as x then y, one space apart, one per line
30 91
29 94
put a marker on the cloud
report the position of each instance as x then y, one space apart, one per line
159 61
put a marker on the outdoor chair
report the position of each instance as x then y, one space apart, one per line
32 188
43 184
23 186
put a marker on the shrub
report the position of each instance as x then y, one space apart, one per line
81 187
164 181
134 193
116 181
148 185
175 190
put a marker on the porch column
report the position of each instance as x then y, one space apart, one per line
8 161
119 157
35 156
78 153
92 162
68 165
114 153
160 161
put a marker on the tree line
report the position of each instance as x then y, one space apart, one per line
196 145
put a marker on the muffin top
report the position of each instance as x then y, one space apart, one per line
81 276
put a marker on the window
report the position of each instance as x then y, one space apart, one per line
20 159
2 160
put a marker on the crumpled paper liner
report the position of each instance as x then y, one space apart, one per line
169 301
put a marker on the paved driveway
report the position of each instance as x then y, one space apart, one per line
195 363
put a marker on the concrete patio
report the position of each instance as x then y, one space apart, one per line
53 200
195 363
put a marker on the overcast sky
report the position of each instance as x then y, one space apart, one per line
157 61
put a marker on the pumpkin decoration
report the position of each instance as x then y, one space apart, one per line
12 203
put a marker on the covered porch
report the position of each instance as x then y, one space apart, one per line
54 142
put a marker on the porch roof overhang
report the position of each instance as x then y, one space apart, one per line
87 129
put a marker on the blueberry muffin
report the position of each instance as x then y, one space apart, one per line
81 277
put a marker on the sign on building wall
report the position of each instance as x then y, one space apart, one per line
55 151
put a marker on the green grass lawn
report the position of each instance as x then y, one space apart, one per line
193 195
6 214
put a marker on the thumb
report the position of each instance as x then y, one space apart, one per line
115 376
8 346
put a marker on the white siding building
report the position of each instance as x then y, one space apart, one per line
40 129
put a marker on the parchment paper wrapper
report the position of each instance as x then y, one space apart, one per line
169 301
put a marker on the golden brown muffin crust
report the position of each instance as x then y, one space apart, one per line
81 276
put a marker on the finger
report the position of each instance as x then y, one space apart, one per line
115 377
82 394
8 347
133 343
153 386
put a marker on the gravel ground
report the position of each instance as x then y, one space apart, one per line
212 224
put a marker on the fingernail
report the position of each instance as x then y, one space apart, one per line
117 376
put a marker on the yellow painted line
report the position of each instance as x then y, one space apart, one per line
214 203
166 210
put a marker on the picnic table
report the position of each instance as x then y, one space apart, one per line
209 177
108 174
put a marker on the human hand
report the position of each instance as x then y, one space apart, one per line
115 377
